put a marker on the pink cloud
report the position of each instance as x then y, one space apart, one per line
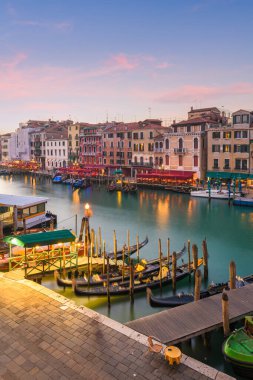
122 62
188 92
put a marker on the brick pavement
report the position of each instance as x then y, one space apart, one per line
46 336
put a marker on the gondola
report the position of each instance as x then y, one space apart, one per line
182 299
132 249
119 289
151 266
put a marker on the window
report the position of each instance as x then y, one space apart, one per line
226 163
227 135
111 144
141 160
241 134
195 161
180 144
129 135
241 148
241 164
188 128
245 118
180 160
141 147
41 207
167 160
129 144
237 119
120 135
195 143
216 135
63 143
110 135
226 148
151 161
59 152
216 163
111 154
135 147
135 136
167 145
151 136
150 147
141 136
64 152
215 148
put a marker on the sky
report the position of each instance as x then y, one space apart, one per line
123 60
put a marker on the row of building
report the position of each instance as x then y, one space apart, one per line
207 144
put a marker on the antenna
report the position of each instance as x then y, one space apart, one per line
149 112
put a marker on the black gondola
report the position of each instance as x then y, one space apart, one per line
123 288
151 266
182 299
132 250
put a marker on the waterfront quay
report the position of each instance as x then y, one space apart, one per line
47 336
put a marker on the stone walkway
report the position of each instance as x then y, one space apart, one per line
46 336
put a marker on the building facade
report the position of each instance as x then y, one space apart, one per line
229 148
56 152
90 153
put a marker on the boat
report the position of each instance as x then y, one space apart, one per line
238 349
243 201
183 298
213 193
123 288
132 249
57 179
30 211
143 269
111 187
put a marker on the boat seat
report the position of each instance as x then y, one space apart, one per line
154 347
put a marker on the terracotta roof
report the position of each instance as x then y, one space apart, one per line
196 120
204 109
242 111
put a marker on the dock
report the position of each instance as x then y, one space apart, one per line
187 321
47 336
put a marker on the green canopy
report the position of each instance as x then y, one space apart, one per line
41 238
228 175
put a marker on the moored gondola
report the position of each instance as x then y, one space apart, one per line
132 250
182 299
118 289
143 269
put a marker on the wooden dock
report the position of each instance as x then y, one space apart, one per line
184 322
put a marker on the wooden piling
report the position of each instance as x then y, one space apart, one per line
100 241
205 259
115 247
81 230
104 257
24 225
232 275
168 252
108 282
197 285
225 314
137 246
174 270
131 287
92 249
123 265
195 257
160 261
97 247
189 255
1 230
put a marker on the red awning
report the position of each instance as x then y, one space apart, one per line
172 174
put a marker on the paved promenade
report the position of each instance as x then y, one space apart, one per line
46 336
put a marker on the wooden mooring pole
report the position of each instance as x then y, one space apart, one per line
168 253
225 314
189 255
131 288
137 246
174 270
115 247
205 259
108 282
160 261
232 275
197 285
104 257
195 257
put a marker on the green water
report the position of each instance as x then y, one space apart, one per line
158 214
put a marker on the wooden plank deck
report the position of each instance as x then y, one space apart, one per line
181 323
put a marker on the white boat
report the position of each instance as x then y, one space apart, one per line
21 210
213 193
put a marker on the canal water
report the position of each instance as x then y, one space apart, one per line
157 214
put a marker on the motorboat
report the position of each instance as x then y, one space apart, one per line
213 193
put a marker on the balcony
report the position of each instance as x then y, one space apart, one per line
180 150
37 152
216 167
226 168
158 150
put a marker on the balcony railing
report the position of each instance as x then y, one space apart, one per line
158 150
180 150
216 167
226 168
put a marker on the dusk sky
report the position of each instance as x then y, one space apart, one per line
123 60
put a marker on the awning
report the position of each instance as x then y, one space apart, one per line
226 175
172 174
41 238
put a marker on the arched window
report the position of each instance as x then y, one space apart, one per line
167 144
160 161
167 160
195 143
156 160
180 143
151 160
156 144
161 145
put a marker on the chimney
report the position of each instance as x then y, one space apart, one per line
191 108
174 121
